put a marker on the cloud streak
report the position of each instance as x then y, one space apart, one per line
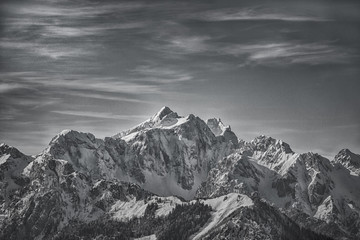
287 53
104 96
52 51
255 14
106 84
81 31
162 74
102 115
69 9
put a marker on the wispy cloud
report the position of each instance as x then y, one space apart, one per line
173 39
52 51
103 115
69 9
289 53
40 28
104 96
178 46
8 87
254 14
161 74
85 82
187 44
99 29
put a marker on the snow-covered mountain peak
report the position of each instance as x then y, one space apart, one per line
73 135
346 155
221 130
265 143
349 160
75 147
263 139
267 151
82 179
164 118
12 163
217 126
164 111
10 151
314 161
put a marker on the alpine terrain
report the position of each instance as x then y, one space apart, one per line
177 177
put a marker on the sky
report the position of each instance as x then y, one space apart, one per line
286 69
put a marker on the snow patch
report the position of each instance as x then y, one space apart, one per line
151 237
223 206
4 158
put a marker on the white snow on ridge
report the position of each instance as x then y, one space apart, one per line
64 132
217 126
173 124
223 206
3 158
167 123
130 136
127 210
151 237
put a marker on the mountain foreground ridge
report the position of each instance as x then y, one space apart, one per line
177 177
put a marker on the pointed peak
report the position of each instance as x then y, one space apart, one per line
349 160
3 145
345 151
217 126
263 142
164 111
263 138
65 132
7 149
214 120
191 117
71 134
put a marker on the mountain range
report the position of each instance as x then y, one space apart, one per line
177 177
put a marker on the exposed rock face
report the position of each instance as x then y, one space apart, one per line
12 163
81 179
349 160
298 183
55 195
259 221
167 154
222 131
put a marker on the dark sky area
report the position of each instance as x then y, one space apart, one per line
287 69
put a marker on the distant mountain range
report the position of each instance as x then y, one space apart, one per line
175 177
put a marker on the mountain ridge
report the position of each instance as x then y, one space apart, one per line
174 159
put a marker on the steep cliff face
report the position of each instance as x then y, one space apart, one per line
297 183
349 160
56 194
12 163
222 131
167 154
258 220
255 190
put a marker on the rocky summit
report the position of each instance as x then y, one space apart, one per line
177 177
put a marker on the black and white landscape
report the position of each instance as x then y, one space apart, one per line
283 73
177 177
